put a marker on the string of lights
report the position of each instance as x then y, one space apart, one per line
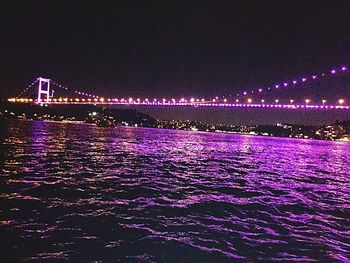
276 104
75 91
27 88
295 82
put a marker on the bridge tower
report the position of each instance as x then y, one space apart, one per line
44 89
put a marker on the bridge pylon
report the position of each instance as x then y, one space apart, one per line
44 90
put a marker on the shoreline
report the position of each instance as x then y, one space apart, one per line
196 131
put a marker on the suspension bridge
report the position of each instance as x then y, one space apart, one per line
45 90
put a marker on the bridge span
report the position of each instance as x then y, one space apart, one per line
247 99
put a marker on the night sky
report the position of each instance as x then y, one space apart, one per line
171 48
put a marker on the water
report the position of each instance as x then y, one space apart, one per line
83 193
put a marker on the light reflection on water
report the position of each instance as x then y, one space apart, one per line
84 193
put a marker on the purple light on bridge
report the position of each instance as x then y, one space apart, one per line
213 103
295 82
276 86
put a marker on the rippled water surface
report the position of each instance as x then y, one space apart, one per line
82 193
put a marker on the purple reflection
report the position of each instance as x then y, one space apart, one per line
203 194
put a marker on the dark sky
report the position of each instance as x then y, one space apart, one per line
169 48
